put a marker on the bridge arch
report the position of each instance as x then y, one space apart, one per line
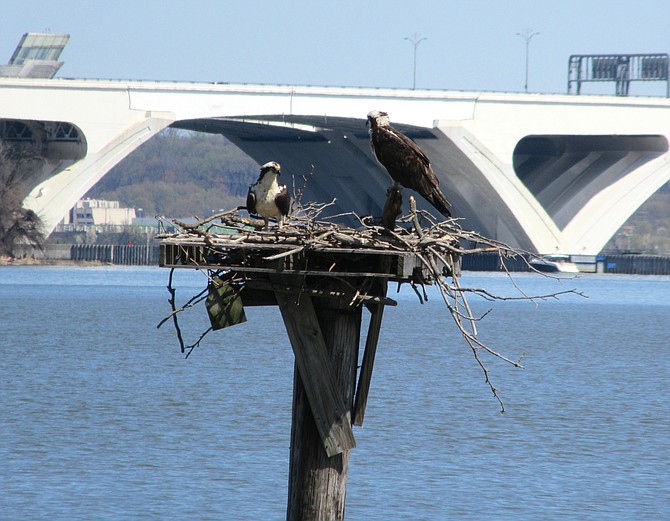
563 171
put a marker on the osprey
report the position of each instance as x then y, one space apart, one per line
405 162
267 197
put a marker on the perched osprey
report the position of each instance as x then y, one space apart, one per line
267 197
406 163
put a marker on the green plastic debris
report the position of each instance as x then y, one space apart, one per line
224 304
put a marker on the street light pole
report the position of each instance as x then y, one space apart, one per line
415 41
528 36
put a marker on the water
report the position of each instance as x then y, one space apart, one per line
102 418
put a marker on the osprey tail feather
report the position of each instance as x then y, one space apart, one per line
439 201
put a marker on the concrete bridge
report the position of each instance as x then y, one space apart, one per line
547 173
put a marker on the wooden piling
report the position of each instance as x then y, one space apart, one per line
317 480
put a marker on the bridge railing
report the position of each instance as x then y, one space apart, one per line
618 68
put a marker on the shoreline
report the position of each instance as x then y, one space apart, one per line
5 261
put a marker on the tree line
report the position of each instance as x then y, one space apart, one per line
19 226
180 174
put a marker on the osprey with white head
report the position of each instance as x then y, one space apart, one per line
267 197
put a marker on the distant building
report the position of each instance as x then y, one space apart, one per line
36 56
90 212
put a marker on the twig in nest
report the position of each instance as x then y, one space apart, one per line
473 342
487 295
415 220
194 226
285 254
172 300
416 290
297 194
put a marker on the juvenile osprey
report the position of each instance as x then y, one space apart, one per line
267 197
405 162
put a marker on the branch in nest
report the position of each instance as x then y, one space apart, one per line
455 294
297 195
194 227
415 219
470 338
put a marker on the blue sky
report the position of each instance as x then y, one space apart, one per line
470 45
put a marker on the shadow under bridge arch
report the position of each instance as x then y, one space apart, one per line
330 156
564 172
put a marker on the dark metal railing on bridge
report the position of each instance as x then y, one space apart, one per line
622 69
637 264
125 254
14 130
631 264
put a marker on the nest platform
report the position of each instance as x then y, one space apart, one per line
312 251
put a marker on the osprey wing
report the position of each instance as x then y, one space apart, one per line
403 158
390 150
251 199
409 165
283 200
418 164
416 150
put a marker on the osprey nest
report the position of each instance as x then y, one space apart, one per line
239 242
246 262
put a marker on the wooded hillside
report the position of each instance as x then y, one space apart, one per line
648 229
181 174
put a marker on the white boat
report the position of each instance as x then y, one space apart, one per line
554 264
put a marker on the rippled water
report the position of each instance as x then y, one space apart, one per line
101 417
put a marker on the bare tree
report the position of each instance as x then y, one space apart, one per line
18 226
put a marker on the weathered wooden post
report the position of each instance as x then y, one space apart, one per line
324 332
317 468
